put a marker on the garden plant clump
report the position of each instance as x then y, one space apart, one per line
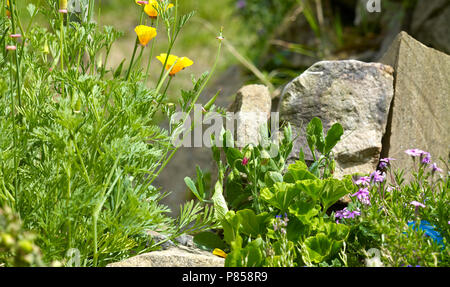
80 146
279 215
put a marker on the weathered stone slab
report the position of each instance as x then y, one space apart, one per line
352 93
252 106
180 256
420 115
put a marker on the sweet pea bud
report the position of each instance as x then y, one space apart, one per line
11 48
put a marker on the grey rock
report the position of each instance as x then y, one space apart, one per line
420 115
180 256
352 93
430 24
252 108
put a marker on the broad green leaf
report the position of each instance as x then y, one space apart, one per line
333 190
230 224
234 158
312 187
304 211
250 256
317 247
281 195
337 233
298 171
334 135
209 241
252 224
296 230
220 205
271 177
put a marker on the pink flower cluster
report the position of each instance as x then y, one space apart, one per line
345 213
425 158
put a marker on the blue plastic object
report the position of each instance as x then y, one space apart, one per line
429 231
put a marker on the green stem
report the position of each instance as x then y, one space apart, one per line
151 52
132 59
12 4
61 17
13 112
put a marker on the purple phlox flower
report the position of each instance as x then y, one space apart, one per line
384 162
351 214
390 188
426 157
435 168
365 181
241 4
414 152
377 176
417 204
363 196
345 213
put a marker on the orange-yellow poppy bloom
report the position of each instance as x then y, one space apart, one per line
151 9
8 14
177 63
145 34
219 252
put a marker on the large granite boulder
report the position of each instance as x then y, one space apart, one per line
420 116
352 93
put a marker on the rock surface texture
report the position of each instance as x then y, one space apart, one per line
252 106
353 93
420 116
430 23
180 256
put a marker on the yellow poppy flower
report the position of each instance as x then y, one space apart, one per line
220 253
145 34
8 14
152 8
180 63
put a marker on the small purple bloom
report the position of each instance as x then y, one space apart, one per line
390 188
417 204
377 176
427 158
363 196
414 152
244 161
365 181
435 168
345 213
241 4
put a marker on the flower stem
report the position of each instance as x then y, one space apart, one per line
132 59
61 18
151 52
13 112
